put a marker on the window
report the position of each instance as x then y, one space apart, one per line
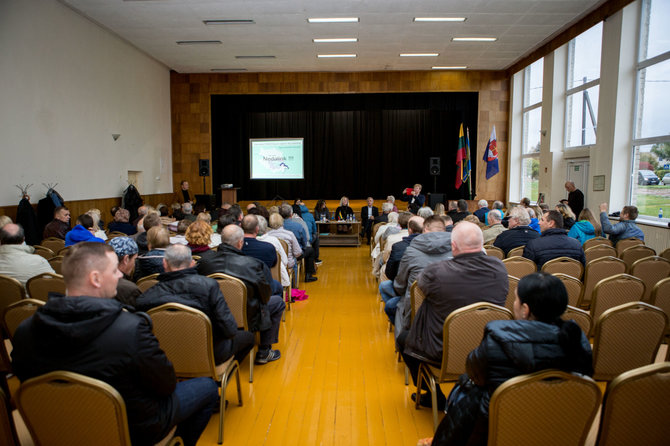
532 121
650 185
583 83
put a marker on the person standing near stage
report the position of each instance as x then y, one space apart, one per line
414 198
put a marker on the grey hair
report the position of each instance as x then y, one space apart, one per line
178 256
390 198
482 203
425 212
393 217
520 214
231 235
262 225
498 204
494 216
387 207
187 208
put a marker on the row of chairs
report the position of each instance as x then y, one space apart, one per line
38 287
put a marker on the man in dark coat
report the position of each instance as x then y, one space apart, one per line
369 215
88 332
519 233
469 277
181 283
263 309
60 225
575 198
554 242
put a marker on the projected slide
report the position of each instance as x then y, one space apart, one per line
276 159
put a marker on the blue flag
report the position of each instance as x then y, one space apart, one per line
491 155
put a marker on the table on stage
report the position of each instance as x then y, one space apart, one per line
328 235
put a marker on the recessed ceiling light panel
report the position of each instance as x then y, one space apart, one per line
419 54
227 70
439 19
337 40
229 22
199 42
333 20
474 39
334 56
450 68
254 57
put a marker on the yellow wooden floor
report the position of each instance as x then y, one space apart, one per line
338 381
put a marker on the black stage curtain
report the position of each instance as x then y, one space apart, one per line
355 144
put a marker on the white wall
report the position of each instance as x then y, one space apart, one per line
66 85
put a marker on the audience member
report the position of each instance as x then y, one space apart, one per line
187 209
525 202
424 212
462 211
391 199
482 210
392 239
277 230
88 332
553 242
566 212
586 228
497 207
180 237
387 208
439 210
308 218
60 225
448 223
534 219
519 233
180 283
82 232
286 211
495 228
470 277
126 252
177 213
414 198
433 245
253 247
274 241
152 220
264 310
141 213
538 339
199 235
4 220
16 258
369 214
120 223
626 228
474 220
151 262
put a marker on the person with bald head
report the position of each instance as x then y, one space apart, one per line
469 277
17 259
90 333
575 197
264 310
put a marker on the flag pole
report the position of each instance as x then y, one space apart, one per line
467 140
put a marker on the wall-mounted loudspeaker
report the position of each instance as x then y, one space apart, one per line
434 166
203 168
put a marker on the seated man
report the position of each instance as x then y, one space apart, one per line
433 245
181 283
461 213
554 242
302 235
82 232
60 225
158 238
369 214
88 332
152 220
470 277
187 209
519 233
626 228
263 309
262 251
387 208
126 251
16 258
120 223
482 210
495 228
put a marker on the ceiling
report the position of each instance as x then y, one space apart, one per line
385 29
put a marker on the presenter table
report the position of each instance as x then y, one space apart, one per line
328 235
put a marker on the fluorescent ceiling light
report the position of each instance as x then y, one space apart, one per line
227 70
229 22
439 19
339 40
198 42
419 54
474 39
254 57
326 56
450 68
333 20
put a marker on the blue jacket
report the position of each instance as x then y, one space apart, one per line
297 230
622 230
582 231
553 243
309 219
535 225
80 234
481 213
263 251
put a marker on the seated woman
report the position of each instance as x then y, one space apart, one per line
199 235
342 213
537 339
321 211
158 239
586 228
568 215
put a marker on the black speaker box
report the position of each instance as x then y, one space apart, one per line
203 168
209 200
434 166
434 199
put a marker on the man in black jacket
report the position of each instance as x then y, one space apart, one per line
554 242
182 284
88 332
519 233
263 310
369 215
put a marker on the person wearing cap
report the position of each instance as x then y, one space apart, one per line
126 250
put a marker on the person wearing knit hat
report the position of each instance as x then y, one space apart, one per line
126 250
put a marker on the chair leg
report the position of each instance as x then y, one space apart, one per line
224 384
433 389
406 375
251 365
419 382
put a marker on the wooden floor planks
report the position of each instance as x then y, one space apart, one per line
338 381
